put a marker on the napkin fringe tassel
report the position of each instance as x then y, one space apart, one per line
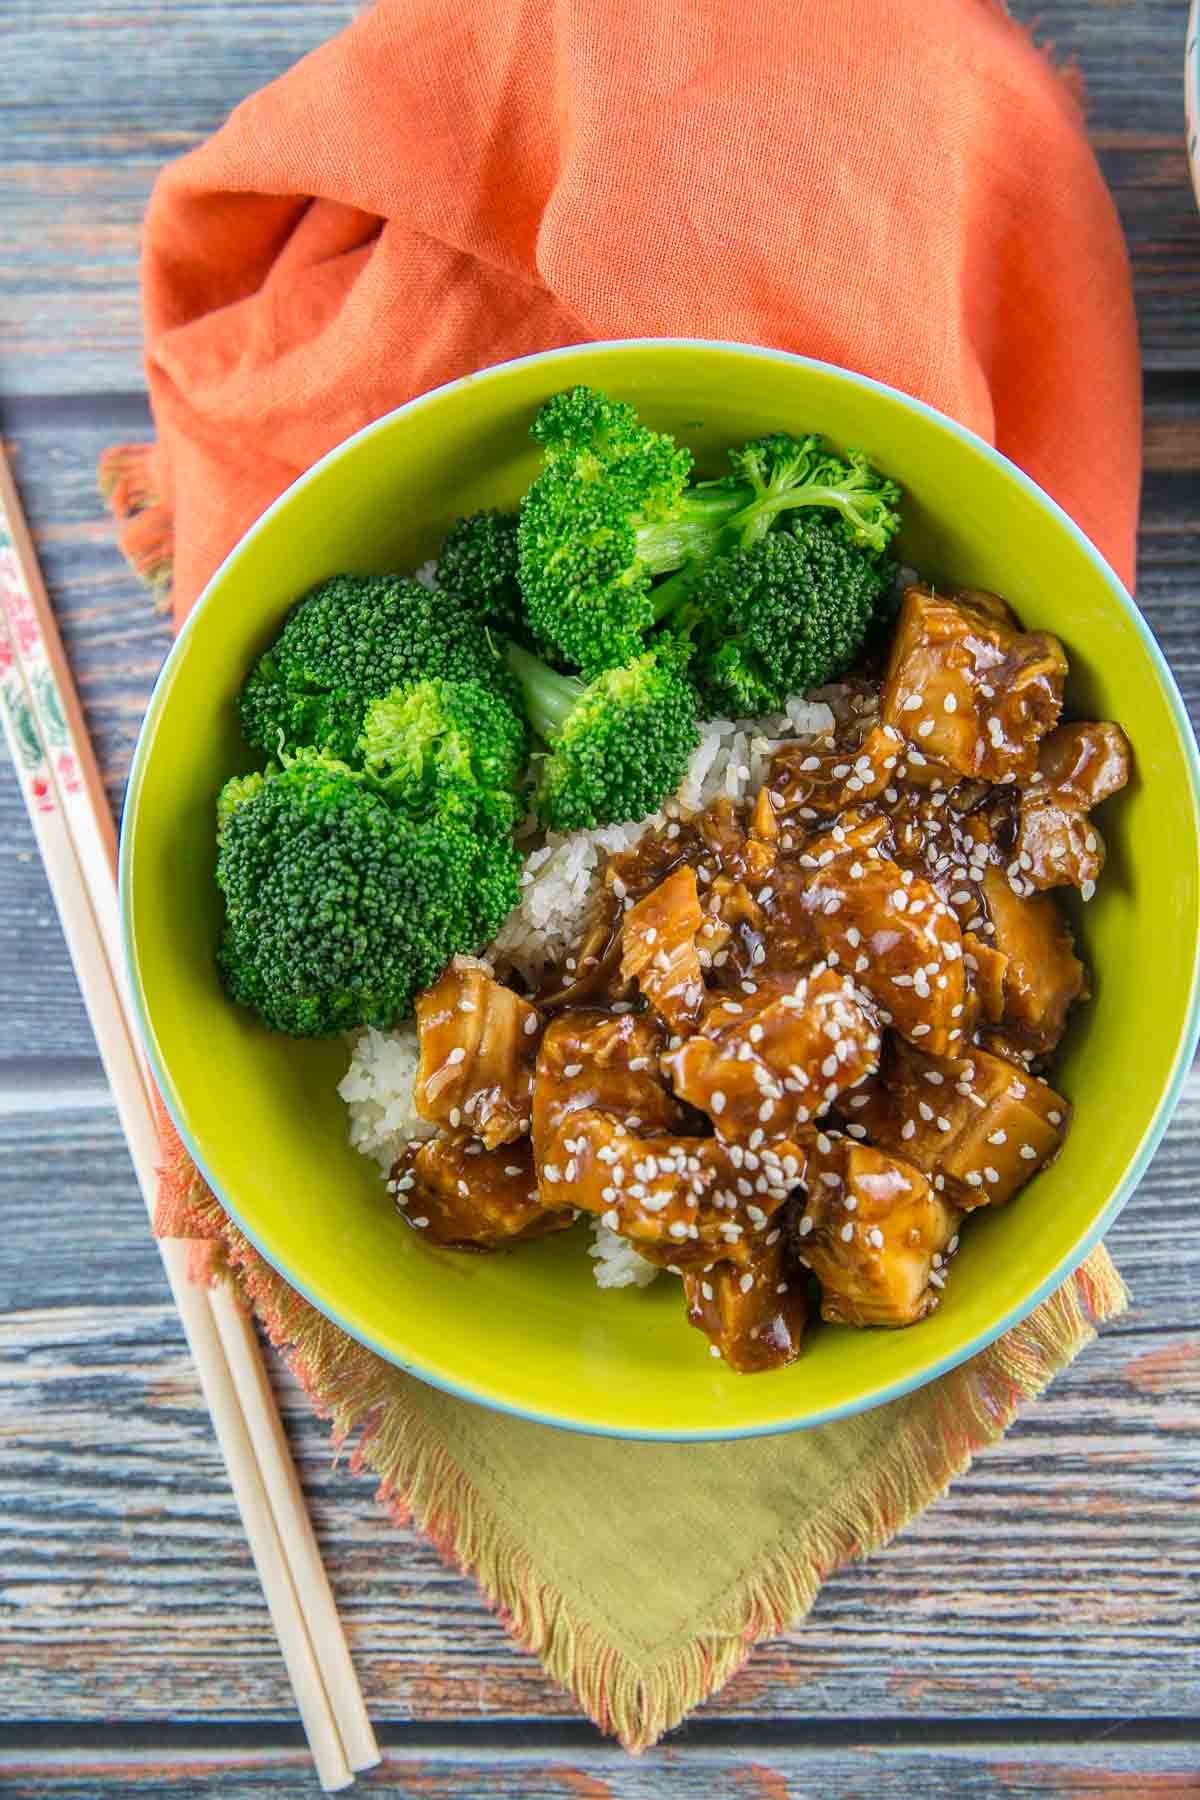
128 477
422 1485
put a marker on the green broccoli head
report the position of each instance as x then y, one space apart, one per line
349 641
781 616
787 473
478 562
439 738
607 512
339 909
619 745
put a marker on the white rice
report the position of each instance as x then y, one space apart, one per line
378 1089
562 873
617 1263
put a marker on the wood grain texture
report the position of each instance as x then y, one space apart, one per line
1021 1770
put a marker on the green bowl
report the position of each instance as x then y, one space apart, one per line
530 1332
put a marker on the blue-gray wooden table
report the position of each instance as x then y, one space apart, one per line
1036 1633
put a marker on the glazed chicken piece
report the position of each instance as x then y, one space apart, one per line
743 852
893 932
754 1314
1057 844
660 949
681 1201
459 1194
1043 977
762 1064
478 1045
986 968
976 1125
968 688
594 1061
875 1233
822 779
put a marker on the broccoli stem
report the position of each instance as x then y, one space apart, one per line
550 698
721 520
693 529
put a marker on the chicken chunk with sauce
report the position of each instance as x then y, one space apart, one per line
681 1201
1057 843
459 1194
1043 977
753 1314
875 1233
660 948
763 1063
600 1062
478 1045
890 930
977 1126
968 688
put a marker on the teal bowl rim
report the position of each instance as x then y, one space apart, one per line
1159 1119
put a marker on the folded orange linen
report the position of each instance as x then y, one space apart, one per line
901 187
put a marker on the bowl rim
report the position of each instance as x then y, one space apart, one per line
1156 1126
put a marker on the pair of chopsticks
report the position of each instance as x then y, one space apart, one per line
68 808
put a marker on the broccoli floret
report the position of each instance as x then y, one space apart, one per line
786 473
610 510
349 641
339 909
478 562
437 738
619 744
236 790
781 616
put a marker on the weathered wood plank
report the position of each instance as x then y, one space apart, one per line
1060 1572
1021 1770
74 179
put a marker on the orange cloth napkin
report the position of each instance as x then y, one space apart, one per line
902 187
898 186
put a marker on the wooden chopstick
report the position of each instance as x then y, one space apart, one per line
64 794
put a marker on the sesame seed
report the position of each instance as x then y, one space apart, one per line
1028 1153
924 728
1088 889
974 1178
950 704
456 1056
990 1174
420 1223
806 1225
531 1025
619 889
455 1117
570 1070
922 1031
1055 1117
911 704
713 1350
847 1232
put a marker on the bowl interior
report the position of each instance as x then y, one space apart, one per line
530 1331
